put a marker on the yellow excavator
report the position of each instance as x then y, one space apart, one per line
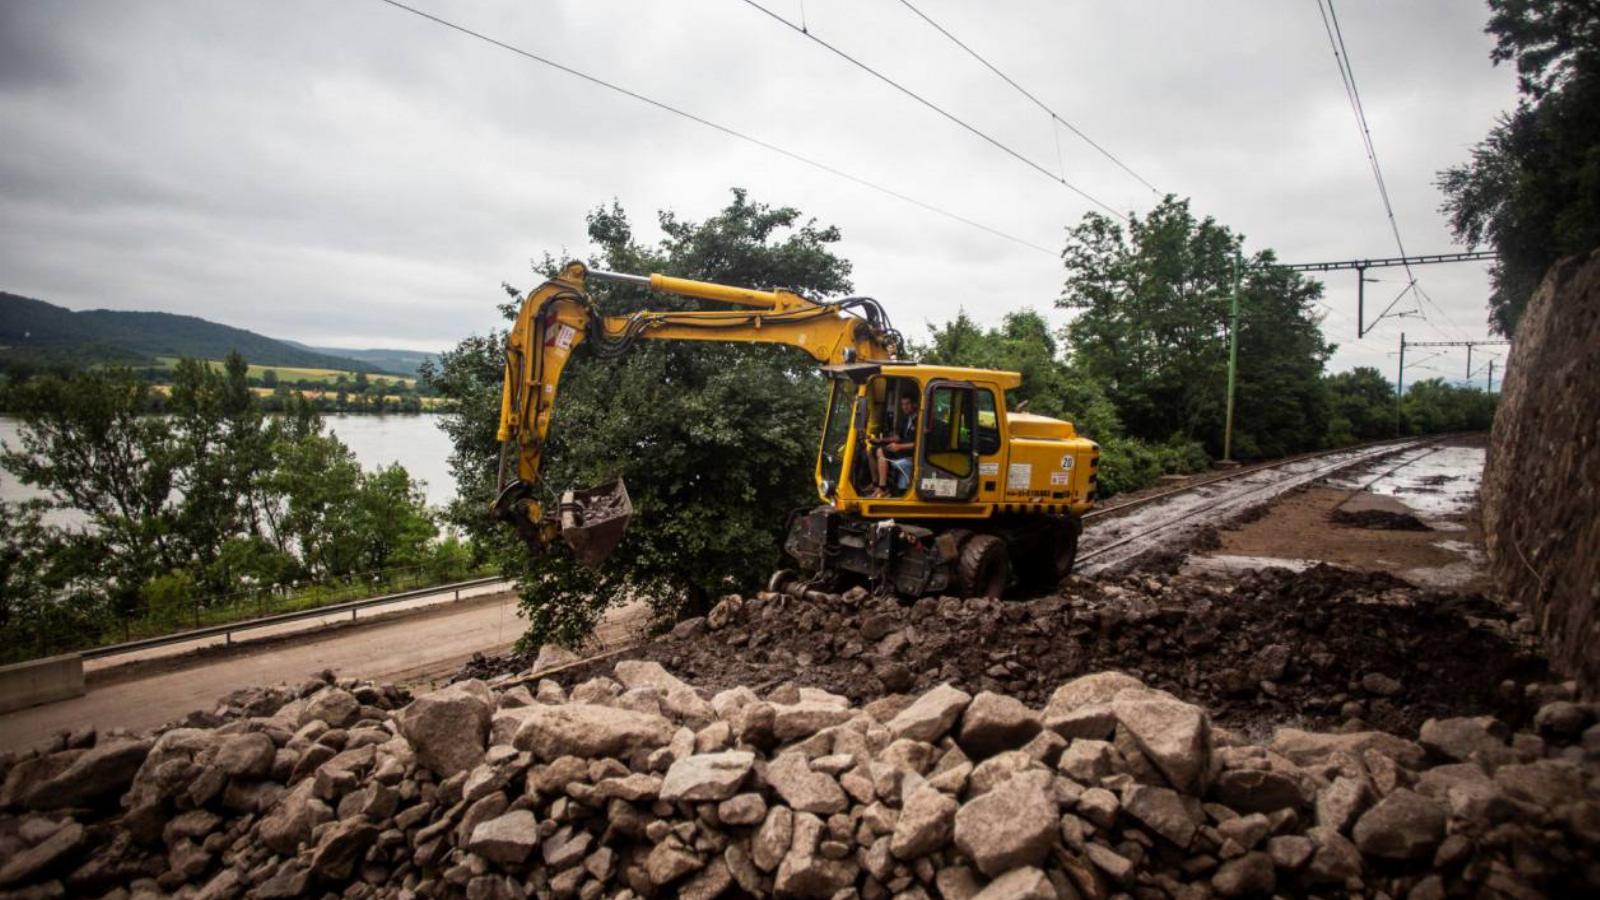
929 483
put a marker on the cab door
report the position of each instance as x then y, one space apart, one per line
947 467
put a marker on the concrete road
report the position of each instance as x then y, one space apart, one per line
407 646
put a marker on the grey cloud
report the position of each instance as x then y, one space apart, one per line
330 171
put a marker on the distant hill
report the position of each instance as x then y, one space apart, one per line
401 362
41 332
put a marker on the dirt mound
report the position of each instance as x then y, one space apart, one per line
1320 646
1377 520
1542 483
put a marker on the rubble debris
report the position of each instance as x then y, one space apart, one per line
1320 647
602 794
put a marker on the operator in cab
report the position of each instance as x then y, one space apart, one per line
895 451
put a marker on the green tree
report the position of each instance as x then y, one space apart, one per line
715 441
269 379
1362 407
1154 300
87 443
1531 189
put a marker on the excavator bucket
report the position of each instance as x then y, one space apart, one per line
592 521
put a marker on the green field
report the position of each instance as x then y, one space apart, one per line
296 373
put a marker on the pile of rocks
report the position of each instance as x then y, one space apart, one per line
636 784
1324 646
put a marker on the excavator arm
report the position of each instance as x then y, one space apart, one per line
559 315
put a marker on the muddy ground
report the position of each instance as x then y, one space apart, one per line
1318 647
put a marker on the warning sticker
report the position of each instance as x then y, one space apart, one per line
988 468
1019 476
939 487
1058 478
1066 462
564 336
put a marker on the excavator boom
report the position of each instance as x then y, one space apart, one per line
559 315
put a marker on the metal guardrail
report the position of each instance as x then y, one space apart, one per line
227 629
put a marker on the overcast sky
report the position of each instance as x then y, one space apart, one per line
344 173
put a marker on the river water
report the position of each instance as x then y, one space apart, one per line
414 441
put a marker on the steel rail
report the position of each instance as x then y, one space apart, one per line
1379 452
1236 473
227 629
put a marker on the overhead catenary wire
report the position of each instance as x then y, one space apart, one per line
997 143
1055 117
727 130
1341 57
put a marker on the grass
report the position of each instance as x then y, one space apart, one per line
253 605
296 373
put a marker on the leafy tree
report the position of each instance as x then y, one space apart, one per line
1154 298
715 441
87 443
1362 407
269 379
1531 189
1433 406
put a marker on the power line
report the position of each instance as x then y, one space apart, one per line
1054 116
1341 57
731 132
936 108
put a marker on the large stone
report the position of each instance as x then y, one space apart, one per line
668 861
926 821
37 861
1087 761
1341 802
1012 825
1334 860
1251 875
678 699
1163 811
804 872
508 839
1258 790
246 755
336 706
99 775
1026 883
292 818
790 774
931 715
1307 748
793 721
340 848
1465 738
1174 735
581 729
1096 690
1547 783
449 727
1404 825
995 722
707 776
550 656
773 838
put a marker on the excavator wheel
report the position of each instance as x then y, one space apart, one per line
1053 556
983 567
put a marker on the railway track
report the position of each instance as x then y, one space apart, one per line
1130 528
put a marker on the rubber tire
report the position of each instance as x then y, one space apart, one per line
984 567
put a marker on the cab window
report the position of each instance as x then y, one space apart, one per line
948 440
988 424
